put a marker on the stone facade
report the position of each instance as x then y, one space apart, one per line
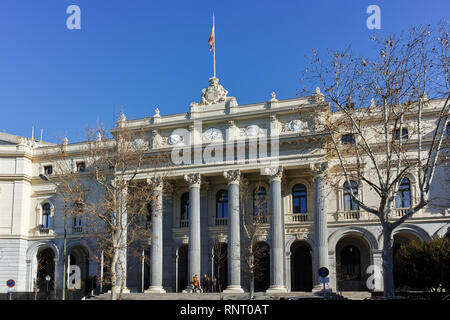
277 144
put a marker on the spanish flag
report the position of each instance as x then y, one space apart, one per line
211 38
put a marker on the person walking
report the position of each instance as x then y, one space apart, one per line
205 284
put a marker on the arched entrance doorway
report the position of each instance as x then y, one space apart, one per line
46 267
220 256
301 267
78 256
182 256
262 266
353 258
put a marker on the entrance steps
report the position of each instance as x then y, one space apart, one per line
204 296
356 295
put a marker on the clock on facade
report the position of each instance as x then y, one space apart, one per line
174 139
213 133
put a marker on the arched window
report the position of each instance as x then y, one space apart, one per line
403 197
349 202
299 199
184 208
259 201
46 211
222 204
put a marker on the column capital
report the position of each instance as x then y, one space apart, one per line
232 176
319 169
156 181
194 179
274 173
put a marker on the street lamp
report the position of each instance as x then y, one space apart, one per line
45 178
47 278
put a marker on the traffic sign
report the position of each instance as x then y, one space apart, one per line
10 283
323 280
324 272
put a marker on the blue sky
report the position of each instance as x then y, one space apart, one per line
143 54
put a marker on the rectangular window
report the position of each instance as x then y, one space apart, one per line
404 134
77 222
81 166
46 220
48 170
348 139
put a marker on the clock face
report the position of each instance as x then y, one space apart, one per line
174 139
213 133
252 131
295 125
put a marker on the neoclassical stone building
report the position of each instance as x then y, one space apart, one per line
277 145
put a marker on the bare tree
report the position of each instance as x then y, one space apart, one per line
404 85
111 189
253 207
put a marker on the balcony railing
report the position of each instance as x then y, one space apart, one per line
351 215
43 230
400 212
221 221
77 229
261 219
298 217
183 223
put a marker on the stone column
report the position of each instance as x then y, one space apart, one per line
320 219
234 247
194 252
122 257
277 283
156 247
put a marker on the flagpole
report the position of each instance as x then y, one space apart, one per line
214 48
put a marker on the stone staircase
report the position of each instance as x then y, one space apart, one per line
356 295
205 296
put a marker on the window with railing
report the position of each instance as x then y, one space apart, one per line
403 196
222 204
349 201
299 202
77 224
46 212
259 202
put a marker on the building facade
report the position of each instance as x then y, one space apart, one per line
278 146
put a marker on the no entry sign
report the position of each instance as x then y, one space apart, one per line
10 283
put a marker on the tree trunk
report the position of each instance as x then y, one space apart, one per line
388 263
252 285
114 275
